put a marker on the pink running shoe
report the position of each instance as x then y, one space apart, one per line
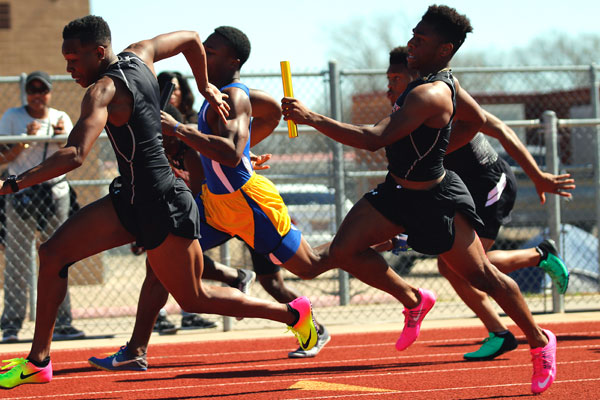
304 330
413 318
544 364
22 371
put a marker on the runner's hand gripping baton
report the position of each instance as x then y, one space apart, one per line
286 77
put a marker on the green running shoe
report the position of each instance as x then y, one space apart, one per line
492 347
553 265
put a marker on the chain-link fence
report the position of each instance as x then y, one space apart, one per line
320 180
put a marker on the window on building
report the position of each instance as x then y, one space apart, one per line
4 16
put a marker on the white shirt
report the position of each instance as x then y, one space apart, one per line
14 122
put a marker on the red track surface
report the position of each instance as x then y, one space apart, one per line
352 366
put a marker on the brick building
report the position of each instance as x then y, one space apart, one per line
31 39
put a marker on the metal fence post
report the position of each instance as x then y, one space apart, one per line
23 77
550 123
226 259
338 170
595 103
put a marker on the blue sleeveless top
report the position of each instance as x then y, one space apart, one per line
221 179
419 156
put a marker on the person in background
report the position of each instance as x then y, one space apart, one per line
42 207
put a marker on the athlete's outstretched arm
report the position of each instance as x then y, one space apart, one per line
227 145
266 114
189 44
94 114
544 181
426 104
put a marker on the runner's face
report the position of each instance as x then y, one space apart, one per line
398 78
83 61
423 47
218 58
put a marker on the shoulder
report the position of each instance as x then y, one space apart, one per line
104 90
15 111
15 114
237 96
433 92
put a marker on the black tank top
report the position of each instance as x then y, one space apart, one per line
419 156
472 158
142 162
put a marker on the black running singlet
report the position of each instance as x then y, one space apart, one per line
469 160
419 156
143 165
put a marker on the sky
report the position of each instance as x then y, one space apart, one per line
301 30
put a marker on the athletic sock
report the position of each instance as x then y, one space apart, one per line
543 254
320 328
42 364
241 275
296 314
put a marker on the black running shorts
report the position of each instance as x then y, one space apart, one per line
426 215
494 191
151 221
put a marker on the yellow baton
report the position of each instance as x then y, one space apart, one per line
286 77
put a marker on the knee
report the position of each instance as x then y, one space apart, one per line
481 282
491 281
339 253
307 274
45 252
52 257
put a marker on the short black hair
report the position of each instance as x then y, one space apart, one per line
89 29
398 55
449 24
238 40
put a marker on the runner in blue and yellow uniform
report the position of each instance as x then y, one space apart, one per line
238 202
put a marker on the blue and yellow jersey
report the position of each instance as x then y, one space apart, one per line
221 179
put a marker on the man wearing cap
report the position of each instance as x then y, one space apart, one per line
41 208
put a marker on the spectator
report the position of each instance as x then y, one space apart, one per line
42 207
182 97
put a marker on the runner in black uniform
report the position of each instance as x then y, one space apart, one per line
492 185
418 196
146 204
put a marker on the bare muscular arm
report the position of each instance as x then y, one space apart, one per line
426 104
266 114
189 44
227 145
468 119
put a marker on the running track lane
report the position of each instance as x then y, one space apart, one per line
352 366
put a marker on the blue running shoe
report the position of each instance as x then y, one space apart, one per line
120 361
